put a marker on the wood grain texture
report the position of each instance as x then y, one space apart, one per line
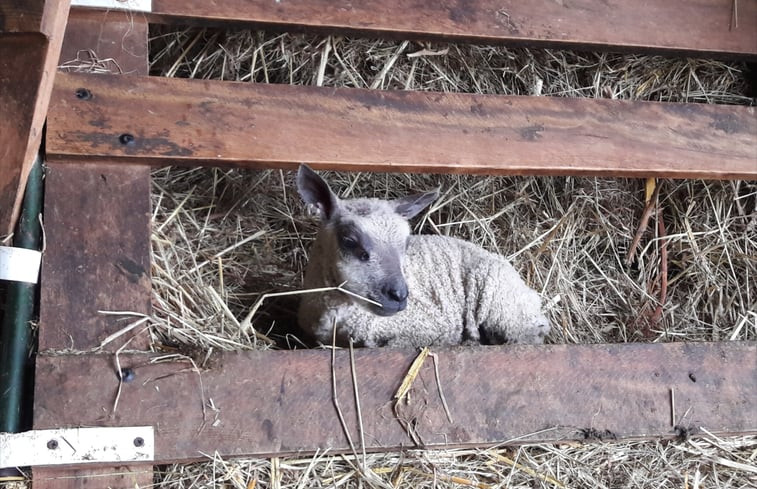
195 122
22 16
97 223
97 217
27 71
120 477
97 227
113 35
278 402
682 26
21 66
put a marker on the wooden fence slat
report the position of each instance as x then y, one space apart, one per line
705 26
97 217
31 34
164 121
280 402
21 66
21 16
97 224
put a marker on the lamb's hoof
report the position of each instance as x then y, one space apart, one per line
533 334
538 331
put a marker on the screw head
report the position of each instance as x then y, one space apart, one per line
139 442
52 444
127 374
126 138
83 94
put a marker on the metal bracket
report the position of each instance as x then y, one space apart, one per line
77 446
133 5
19 264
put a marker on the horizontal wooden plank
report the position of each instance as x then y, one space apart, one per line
704 26
197 122
280 402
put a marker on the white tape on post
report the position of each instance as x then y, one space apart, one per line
73 446
133 5
19 264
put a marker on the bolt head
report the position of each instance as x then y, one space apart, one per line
83 94
126 138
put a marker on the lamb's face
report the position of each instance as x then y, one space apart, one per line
370 240
364 240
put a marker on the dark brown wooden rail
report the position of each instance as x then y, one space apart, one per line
281 402
703 26
31 33
97 229
163 121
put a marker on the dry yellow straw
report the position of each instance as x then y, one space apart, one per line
412 373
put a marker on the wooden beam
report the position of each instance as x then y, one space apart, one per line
24 16
97 217
31 34
22 57
97 227
702 27
164 121
280 402
118 40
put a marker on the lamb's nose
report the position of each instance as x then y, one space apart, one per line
397 292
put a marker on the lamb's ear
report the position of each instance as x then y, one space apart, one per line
314 190
411 206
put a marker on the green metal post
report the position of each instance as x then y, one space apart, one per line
16 333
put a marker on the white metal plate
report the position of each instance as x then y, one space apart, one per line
77 446
135 5
19 264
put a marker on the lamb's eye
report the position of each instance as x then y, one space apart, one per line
349 243
365 256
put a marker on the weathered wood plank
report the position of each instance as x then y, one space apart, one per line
121 477
173 121
27 71
98 240
97 228
683 26
117 38
23 16
21 66
97 217
281 402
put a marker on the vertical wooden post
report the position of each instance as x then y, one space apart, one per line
97 222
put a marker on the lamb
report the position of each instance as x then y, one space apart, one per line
406 290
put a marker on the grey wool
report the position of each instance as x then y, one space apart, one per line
407 290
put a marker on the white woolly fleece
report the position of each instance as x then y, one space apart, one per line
459 293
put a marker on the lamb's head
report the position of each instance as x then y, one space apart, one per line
362 242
